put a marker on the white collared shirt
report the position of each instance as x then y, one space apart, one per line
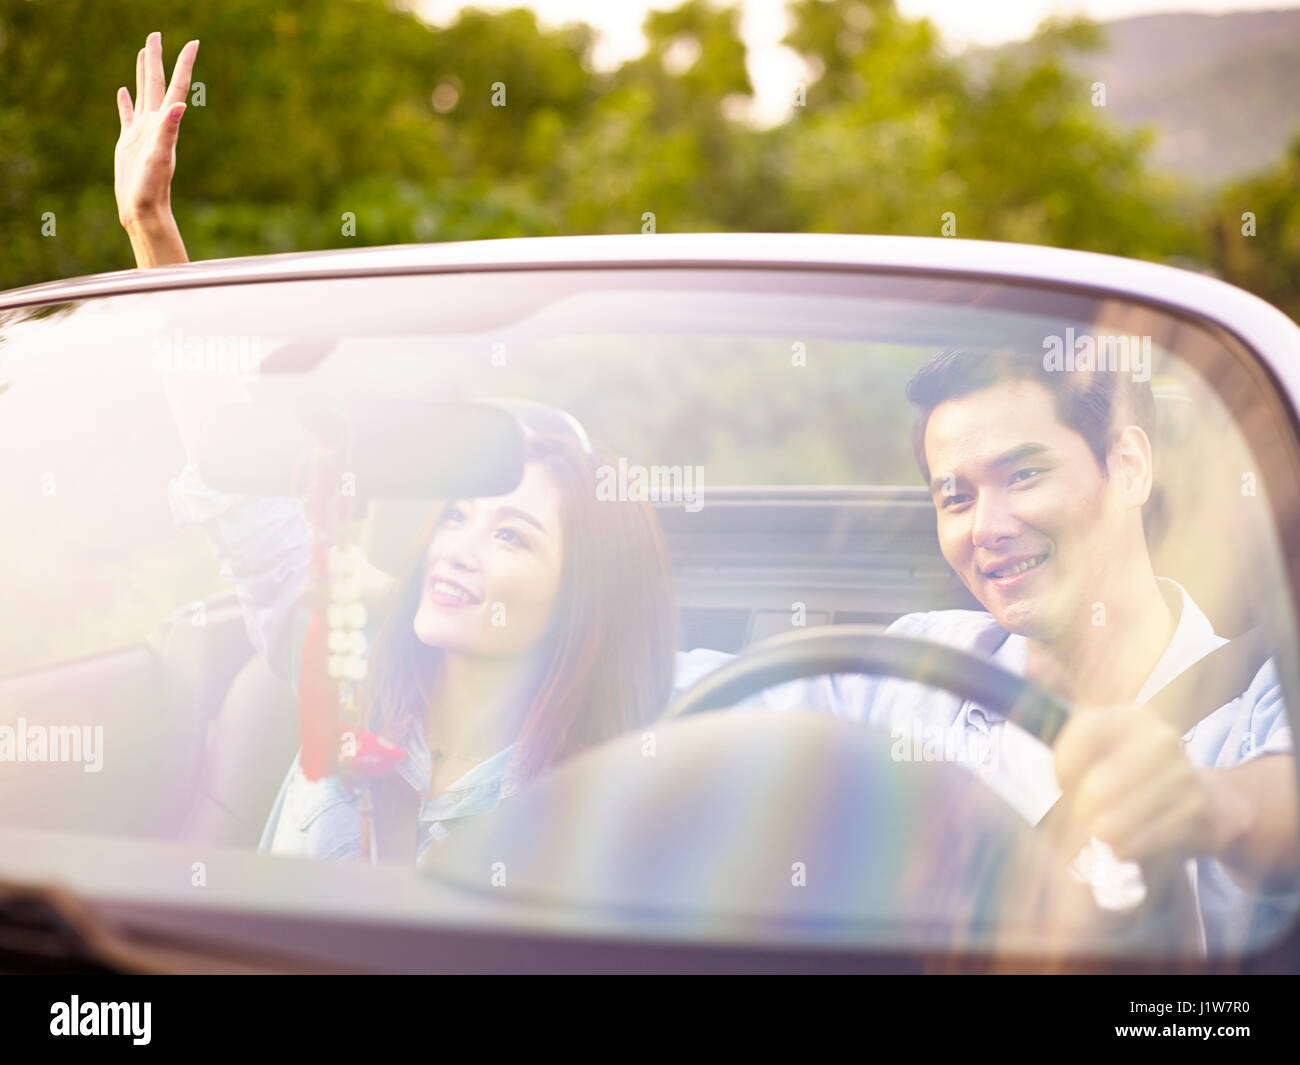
1019 767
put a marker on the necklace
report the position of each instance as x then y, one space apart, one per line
443 759
439 755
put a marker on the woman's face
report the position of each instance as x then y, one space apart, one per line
492 570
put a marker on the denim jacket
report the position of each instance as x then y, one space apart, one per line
264 545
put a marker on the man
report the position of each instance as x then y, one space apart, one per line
1039 479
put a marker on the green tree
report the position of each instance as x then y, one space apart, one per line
495 126
895 135
1261 253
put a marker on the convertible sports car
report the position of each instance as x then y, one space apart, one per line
751 386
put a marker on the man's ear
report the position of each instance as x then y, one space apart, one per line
1130 465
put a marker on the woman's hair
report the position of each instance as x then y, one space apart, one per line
606 656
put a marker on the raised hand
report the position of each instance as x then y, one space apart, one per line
145 158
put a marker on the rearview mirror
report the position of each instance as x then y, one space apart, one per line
394 449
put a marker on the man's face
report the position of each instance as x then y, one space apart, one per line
1025 516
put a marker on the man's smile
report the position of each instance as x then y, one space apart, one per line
1012 571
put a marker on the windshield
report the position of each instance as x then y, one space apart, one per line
1088 493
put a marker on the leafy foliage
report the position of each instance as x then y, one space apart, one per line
495 126
1266 262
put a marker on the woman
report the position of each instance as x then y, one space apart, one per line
530 625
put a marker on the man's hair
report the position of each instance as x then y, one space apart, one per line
1096 404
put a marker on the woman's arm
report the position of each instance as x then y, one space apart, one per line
264 548
264 545
156 240
145 158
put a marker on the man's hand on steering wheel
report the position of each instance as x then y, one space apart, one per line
1126 780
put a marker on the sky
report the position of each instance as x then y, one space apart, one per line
962 23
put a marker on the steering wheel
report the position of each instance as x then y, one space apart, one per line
1168 914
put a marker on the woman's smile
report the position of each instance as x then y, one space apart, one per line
445 592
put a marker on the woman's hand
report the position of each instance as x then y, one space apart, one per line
145 158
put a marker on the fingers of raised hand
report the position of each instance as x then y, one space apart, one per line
153 72
180 85
149 83
139 80
124 109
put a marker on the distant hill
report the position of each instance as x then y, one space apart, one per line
1223 91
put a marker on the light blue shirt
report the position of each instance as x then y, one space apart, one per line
320 818
924 721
